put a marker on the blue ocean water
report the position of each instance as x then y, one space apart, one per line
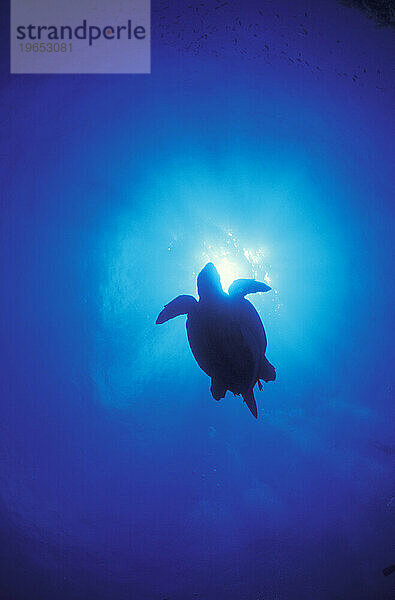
121 477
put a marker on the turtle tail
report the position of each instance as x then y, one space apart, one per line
249 399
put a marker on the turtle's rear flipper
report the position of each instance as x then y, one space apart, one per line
218 389
267 372
249 399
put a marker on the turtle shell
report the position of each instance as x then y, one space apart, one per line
228 341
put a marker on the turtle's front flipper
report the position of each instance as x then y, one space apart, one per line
182 305
266 371
241 287
249 399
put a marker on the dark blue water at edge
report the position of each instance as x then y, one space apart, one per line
121 477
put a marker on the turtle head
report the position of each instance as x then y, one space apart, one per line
209 282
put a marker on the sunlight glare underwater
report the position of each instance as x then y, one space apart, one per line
234 262
270 225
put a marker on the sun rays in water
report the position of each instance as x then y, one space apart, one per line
233 260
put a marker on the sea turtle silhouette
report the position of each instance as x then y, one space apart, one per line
226 334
